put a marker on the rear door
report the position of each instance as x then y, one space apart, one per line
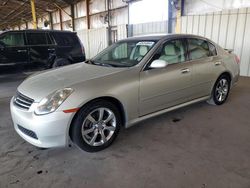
166 87
13 50
202 54
38 47
64 44
68 46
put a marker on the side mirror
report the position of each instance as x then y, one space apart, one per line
157 64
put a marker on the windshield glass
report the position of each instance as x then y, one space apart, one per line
123 54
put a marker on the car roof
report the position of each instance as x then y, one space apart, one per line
157 37
38 30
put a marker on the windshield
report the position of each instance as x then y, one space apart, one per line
123 54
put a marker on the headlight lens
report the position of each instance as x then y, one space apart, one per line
53 101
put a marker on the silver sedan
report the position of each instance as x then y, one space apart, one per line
132 80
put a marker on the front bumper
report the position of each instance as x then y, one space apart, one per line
50 130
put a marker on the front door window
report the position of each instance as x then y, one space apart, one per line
12 39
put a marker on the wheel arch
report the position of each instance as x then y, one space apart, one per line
113 100
228 74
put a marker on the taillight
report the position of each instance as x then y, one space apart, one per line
237 59
83 50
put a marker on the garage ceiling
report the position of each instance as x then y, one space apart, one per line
13 12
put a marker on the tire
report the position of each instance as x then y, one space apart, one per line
89 130
220 90
60 62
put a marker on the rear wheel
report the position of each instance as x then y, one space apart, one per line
96 126
220 91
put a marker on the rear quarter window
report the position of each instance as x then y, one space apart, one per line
66 39
212 49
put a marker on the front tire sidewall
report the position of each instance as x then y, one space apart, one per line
78 123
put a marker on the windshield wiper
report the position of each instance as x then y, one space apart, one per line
99 63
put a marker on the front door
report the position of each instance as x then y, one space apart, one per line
12 49
162 88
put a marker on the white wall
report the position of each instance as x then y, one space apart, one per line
119 16
148 11
96 6
80 9
229 28
121 32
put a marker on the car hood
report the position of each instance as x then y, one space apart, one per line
42 84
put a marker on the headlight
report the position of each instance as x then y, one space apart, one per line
53 101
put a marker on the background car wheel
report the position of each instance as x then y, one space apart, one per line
96 126
60 62
220 91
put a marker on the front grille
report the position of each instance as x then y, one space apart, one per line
27 132
23 101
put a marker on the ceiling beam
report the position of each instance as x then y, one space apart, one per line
13 12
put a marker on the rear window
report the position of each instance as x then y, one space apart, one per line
66 39
36 38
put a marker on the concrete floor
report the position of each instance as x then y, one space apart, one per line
198 146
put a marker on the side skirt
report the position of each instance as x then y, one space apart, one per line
134 121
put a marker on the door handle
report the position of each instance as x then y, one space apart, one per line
217 63
21 51
51 49
184 71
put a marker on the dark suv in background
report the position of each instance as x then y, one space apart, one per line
46 48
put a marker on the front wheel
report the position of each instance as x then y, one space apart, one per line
220 91
96 126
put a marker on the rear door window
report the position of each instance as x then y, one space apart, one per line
12 39
36 38
198 49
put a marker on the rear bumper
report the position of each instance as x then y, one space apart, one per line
236 76
44 131
235 80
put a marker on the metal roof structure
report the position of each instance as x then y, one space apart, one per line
13 12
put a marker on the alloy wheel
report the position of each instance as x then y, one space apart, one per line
221 90
98 127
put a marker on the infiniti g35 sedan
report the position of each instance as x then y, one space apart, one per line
132 80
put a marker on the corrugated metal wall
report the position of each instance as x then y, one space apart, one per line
229 28
94 40
121 31
195 7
